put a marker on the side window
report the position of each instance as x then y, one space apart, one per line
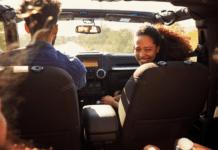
193 34
3 47
24 37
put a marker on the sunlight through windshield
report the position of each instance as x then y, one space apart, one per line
115 37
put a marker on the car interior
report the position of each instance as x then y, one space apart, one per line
160 101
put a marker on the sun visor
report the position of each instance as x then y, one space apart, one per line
66 16
130 18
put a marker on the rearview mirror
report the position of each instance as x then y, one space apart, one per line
88 29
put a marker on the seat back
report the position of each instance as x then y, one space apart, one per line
49 112
161 103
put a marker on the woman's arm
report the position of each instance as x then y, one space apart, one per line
117 97
110 100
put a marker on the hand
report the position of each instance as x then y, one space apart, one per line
150 147
196 146
200 147
108 100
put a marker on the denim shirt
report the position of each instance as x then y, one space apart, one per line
46 55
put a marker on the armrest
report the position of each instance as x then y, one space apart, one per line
100 122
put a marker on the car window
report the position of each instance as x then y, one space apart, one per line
116 37
2 38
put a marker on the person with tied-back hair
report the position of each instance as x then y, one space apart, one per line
41 18
41 22
153 44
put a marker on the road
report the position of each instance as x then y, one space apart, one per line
70 48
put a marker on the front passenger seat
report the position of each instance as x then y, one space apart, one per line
49 113
160 103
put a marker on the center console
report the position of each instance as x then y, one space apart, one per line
106 73
95 82
96 76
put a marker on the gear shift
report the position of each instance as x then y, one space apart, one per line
98 102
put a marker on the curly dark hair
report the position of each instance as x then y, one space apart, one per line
173 47
39 14
150 31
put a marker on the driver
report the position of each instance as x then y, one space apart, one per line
41 22
153 44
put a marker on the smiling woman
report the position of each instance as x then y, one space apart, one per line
153 44
161 44
147 42
113 39
145 49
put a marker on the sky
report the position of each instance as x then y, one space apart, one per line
69 28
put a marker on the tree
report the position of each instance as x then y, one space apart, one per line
109 40
193 38
178 28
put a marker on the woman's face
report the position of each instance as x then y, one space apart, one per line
3 127
144 48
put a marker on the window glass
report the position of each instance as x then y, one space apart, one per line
2 38
115 37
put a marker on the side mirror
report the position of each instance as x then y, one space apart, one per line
88 29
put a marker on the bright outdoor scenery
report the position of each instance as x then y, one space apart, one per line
109 40
114 37
116 41
2 38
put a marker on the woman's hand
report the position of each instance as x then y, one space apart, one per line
108 100
150 147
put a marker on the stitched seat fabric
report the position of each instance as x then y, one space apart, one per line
49 111
162 102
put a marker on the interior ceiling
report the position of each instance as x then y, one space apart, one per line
199 9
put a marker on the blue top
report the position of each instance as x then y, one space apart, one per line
47 56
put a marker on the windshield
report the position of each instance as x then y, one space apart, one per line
115 37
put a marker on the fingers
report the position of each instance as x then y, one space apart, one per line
151 147
102 100
107 100
104 97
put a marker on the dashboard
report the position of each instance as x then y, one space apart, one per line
106 73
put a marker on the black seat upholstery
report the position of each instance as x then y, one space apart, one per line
160 103
49 113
